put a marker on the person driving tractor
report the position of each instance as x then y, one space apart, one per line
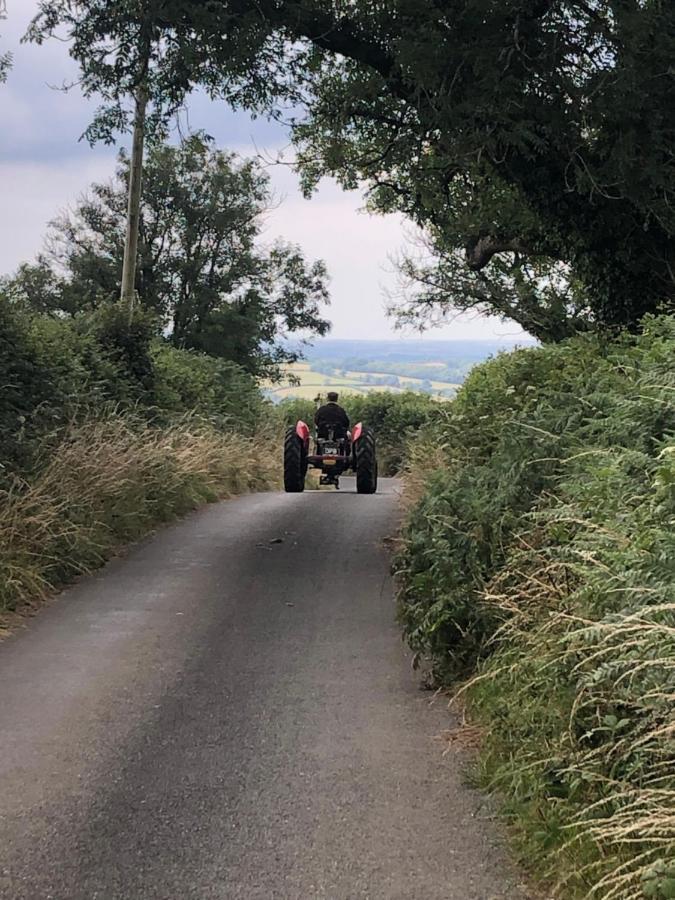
331 415
337 450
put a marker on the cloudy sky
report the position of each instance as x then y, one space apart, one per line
44 167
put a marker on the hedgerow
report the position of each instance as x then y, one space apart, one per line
58 372
106 432
539 565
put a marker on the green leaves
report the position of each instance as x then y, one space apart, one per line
542 559
659 881
541 132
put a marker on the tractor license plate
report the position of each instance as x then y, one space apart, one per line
330 462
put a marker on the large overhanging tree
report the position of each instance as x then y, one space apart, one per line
527 135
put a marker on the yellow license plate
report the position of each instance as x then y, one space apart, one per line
330 462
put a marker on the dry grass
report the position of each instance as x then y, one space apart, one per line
423 457
612 751
634 773
108 483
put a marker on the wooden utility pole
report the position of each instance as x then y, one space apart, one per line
128 294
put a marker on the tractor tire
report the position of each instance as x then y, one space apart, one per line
295 463
366 464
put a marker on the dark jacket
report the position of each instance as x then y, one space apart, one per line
330 415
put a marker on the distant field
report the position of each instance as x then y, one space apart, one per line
312 383
436 368
407 382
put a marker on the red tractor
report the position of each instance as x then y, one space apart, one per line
334 454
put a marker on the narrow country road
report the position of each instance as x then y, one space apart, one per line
219 715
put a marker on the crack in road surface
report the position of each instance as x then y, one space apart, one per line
220 716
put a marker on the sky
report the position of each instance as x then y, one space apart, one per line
44 167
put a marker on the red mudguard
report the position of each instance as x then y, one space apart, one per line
357 431
302 431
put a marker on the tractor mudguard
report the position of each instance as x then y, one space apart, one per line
302 431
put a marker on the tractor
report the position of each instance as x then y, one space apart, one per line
336 452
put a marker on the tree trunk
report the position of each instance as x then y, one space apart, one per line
128 292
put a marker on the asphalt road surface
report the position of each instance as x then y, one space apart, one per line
219 715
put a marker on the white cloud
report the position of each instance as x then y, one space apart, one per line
32 194
358 248
355 246
39 120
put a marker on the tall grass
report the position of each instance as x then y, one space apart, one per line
579 686
108 483
539 569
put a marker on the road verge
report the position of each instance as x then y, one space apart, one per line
108 483
537 571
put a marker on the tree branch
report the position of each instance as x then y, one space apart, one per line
480 250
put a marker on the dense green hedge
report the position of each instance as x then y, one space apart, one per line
540 558
56 372
105 432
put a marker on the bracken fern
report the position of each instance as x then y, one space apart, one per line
540 563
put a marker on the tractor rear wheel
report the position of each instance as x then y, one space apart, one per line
366 463
295 463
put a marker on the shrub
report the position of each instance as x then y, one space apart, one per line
56 372
50 373
295 409
216 389
540 556
127 343
579 689
105 432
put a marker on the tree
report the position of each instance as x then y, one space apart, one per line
36 287
201 268
5 58
519 133
542 296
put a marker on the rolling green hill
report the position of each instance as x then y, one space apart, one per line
310 383
436 368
